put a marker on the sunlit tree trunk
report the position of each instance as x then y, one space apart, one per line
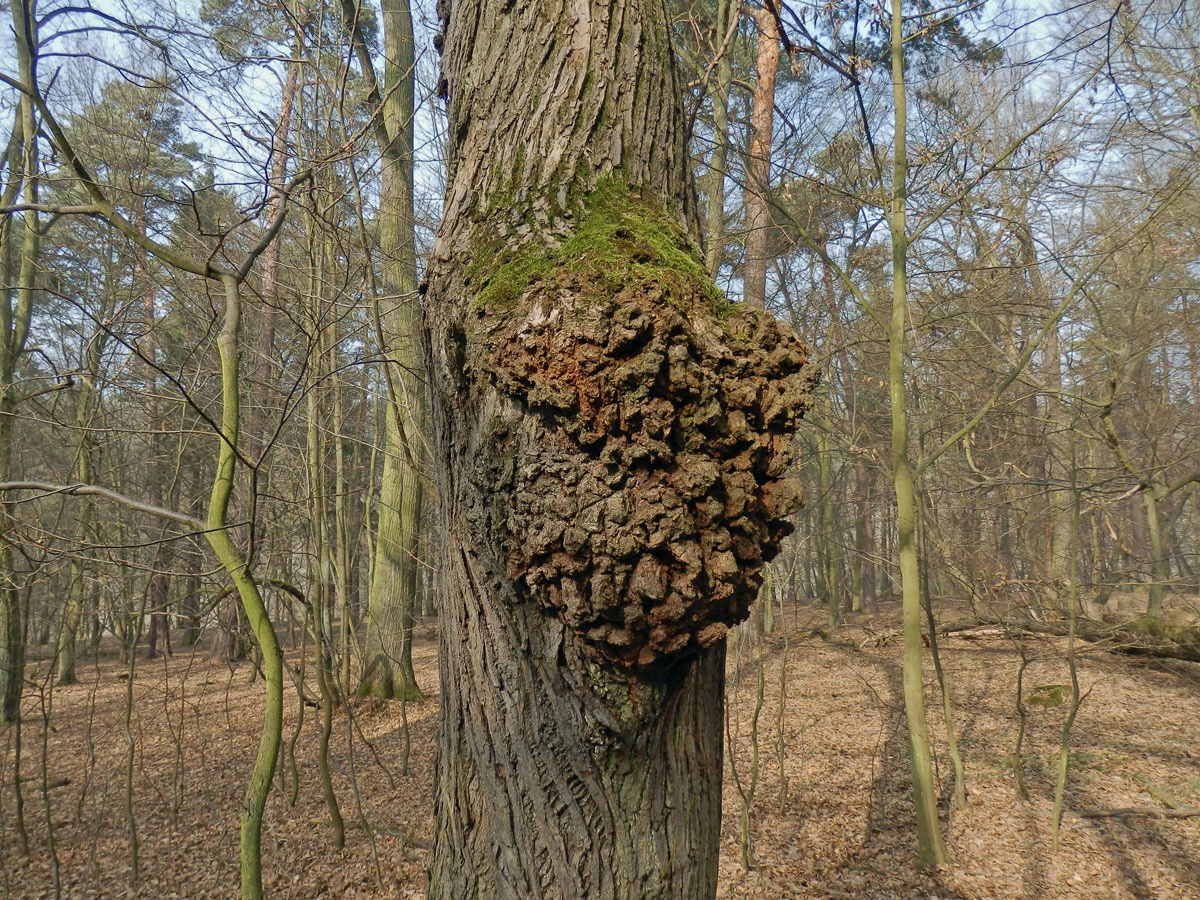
583 373
758 166
931 850
395 582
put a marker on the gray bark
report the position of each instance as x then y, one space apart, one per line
395 580
611 440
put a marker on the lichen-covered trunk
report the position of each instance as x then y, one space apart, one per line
611 440
395 578
19 249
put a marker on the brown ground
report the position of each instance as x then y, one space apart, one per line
843 830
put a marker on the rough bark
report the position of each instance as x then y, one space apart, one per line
611 441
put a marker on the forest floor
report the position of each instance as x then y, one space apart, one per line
830 816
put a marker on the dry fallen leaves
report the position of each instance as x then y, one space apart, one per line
843 830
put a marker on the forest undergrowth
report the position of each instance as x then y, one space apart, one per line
829 814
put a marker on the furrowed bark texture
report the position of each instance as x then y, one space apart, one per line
611 441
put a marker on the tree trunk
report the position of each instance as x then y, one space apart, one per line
1160 573
86 408
158 639
19 251
714 187
829 537
931 850
396 576
232 642
758 166
864 536
387 654
610 439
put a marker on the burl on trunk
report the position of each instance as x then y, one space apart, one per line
612 440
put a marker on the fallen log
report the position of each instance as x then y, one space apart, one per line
1156 812
1141 637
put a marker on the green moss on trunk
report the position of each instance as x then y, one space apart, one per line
620 238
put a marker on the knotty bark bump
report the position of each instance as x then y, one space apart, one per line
611 440
642 465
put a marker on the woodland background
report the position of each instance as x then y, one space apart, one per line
1049 369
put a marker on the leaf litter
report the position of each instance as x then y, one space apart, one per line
830 818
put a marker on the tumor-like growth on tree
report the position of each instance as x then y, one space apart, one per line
641 499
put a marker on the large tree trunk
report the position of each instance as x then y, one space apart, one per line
611 439
396 575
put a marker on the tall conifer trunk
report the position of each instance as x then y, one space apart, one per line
758 165
611 440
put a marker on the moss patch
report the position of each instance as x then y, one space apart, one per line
621 239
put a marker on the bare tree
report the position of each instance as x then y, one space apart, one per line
592 398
